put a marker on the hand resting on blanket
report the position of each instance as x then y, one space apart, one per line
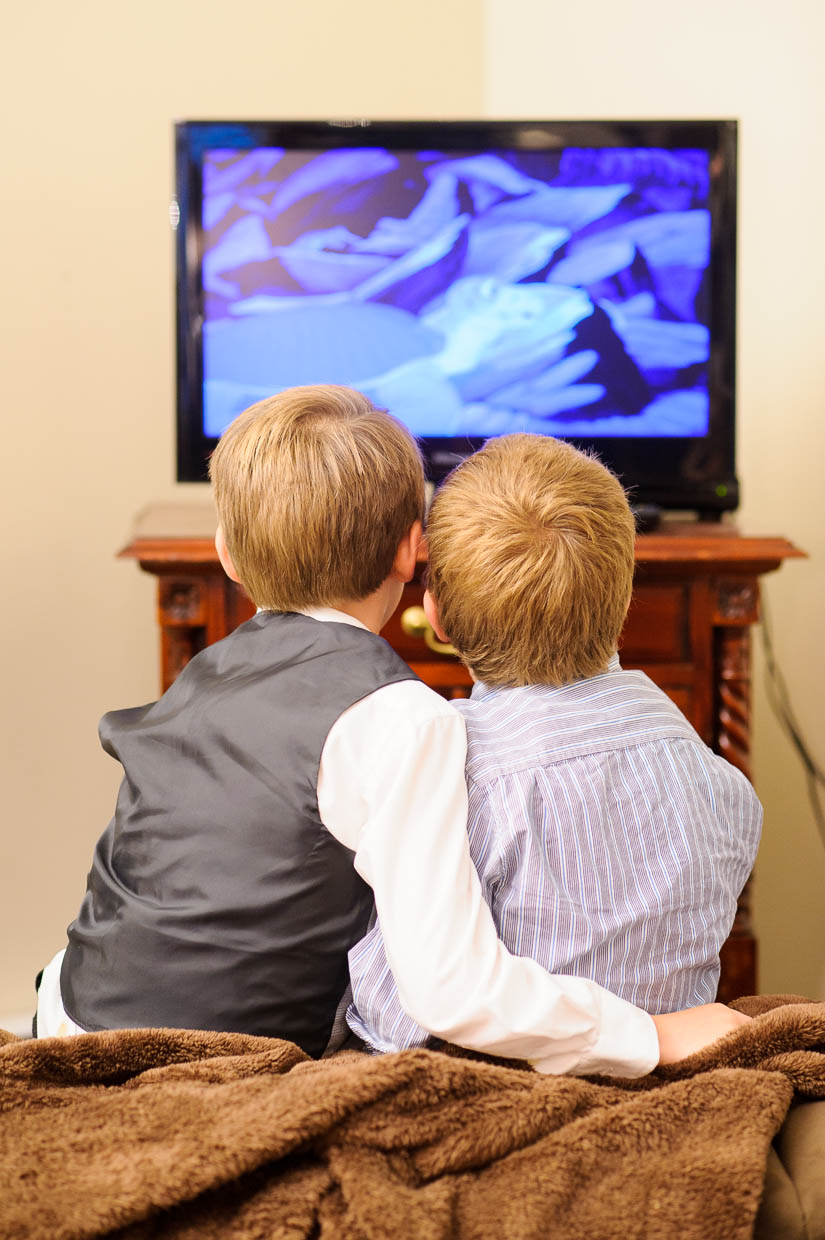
683 1033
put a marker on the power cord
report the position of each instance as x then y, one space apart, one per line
780 701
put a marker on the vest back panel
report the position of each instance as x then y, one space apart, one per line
217 899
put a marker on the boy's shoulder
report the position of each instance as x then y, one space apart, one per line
325 661
408 706
294 635
515 728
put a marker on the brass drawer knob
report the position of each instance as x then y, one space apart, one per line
414 622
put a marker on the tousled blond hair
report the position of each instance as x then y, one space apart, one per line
531 561
315 489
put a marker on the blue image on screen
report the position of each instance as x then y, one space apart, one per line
563 292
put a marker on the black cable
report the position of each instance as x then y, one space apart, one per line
780 700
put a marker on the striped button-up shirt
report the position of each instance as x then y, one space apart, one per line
610 841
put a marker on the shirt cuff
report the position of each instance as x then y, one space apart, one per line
627 1044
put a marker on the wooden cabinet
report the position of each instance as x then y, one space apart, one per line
695 597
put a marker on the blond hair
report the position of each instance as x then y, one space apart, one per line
315 489
531 561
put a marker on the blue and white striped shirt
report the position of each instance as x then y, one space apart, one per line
610 841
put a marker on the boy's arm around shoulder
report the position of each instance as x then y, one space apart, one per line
392 788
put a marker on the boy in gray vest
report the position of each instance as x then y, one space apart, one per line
296 772
610 842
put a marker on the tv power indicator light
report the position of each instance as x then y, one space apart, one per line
721 490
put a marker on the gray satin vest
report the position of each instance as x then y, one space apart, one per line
216 898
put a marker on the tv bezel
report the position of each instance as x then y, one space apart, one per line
668 472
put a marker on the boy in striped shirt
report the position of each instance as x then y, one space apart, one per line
610 841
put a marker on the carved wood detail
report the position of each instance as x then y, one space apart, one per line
733 683
733 733
182 602
180 644
737 600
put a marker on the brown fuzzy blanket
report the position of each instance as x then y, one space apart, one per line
169 1133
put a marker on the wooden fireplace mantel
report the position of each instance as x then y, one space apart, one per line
695 598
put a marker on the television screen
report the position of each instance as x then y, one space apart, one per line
561 279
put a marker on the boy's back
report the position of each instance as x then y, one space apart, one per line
611 843
216 864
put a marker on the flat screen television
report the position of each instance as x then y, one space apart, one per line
570 278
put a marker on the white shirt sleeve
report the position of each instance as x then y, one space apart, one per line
391 787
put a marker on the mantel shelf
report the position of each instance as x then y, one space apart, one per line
177 533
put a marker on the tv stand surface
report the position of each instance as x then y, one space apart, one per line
647 517
650 517
695 598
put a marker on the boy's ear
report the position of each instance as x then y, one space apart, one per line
403 566
224 556
431 612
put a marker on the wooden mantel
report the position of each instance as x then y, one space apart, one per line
695 598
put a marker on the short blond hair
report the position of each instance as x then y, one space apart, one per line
531 554
315 489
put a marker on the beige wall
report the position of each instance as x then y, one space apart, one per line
762 64
92 89
88 345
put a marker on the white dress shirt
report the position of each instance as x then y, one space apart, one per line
391 788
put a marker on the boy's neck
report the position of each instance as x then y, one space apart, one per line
375 610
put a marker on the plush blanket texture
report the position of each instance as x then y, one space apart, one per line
169 1133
